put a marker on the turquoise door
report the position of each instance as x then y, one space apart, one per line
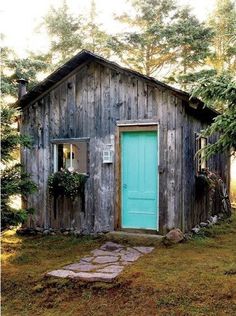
139 180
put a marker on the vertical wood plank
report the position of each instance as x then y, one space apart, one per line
142 100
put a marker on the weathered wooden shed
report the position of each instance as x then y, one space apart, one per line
134 137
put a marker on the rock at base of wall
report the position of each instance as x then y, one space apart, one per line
174 236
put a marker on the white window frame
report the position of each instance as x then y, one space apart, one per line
201 161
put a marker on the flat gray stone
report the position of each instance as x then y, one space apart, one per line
132 250
130 257
96 276
110 246
99 252
83 267
111 269
105 259
61 273
144 250
124 252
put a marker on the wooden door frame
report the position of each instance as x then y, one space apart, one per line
132 126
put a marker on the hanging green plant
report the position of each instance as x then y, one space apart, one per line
66 183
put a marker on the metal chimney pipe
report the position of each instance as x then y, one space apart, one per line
22 87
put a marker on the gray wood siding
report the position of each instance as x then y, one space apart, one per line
88 104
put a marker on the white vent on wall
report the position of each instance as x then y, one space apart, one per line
107 154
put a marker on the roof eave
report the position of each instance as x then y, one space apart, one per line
84 56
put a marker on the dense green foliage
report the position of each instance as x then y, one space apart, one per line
10 138
64 33
95 39
13 178
162 35
66 183
223 23
217 86
13 68
70 33
145 47
190 42
14 181
214 91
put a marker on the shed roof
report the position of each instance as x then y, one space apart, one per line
85 56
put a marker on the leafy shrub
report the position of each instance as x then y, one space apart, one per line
66 183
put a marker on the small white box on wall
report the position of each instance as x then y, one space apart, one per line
107 154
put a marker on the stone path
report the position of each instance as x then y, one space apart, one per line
104 264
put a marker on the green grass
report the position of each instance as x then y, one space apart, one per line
193 278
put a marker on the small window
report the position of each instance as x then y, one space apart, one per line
71 155
201 143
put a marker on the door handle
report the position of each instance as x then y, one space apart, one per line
124 186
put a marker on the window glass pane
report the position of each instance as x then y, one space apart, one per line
73 156
201 143
79 151
203 159
66 156
60 157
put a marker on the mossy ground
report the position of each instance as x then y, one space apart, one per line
193 278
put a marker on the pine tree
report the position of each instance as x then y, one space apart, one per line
214 90
162 36
65 33
217 88
95 39
190 42
144 47
13 68
223 22
68 34
14 180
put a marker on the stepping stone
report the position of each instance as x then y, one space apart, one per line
110 246
144 250
82 267
131 257
133 250
61 273
124 252
111 269
105 259
98 252
96 276
129 252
